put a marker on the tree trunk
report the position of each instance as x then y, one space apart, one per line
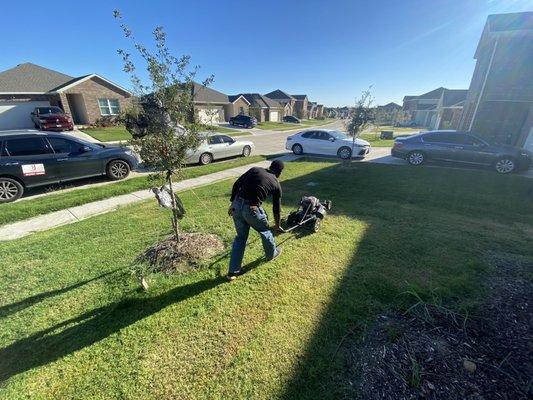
175 222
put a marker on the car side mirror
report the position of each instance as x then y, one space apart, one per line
85 149
331 139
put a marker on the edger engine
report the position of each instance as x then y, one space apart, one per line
310 213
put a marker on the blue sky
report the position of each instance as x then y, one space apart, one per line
330 50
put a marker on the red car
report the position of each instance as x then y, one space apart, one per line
51 119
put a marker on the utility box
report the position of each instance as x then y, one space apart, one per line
386 135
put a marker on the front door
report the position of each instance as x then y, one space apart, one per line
75 160
217 147
30 159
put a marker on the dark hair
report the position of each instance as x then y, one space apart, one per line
276 167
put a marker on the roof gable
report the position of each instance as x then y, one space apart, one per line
31 78
260 101
299 96
279 95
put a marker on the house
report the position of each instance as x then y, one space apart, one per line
300 105
450 109
320 111
263 108
86 98
388 113
210 106
499 104
423 108
311 109
285 99
238 105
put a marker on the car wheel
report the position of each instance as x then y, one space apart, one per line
117 170
345 153
246 151
206 158
416 158
10 190
297 149
505 165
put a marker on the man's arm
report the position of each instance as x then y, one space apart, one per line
276 209
236 186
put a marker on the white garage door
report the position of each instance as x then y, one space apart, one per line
17 114
274 115
209 116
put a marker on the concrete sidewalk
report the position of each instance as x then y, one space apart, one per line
44 222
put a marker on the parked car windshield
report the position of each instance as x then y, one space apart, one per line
338 135
49 110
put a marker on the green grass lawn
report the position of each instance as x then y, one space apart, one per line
75 326
110 134
53 202
222 129
373 135
285 126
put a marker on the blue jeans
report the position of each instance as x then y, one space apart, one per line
244 218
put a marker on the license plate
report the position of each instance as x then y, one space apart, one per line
58 126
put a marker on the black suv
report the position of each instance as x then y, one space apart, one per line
243 120
290 118
460 147
30 159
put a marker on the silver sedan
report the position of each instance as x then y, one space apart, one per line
217 146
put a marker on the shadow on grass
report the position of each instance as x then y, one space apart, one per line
414 239
47 346
12 308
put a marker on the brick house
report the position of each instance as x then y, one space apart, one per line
285 99
86 98
263 108
499 105
300 105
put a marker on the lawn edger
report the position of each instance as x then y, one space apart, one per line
310 213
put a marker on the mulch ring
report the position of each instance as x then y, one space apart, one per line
170 256
434 353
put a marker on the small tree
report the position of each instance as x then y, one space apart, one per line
361 116
162 119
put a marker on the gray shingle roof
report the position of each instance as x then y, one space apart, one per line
204 94
258 100
299 96
31 78
279 95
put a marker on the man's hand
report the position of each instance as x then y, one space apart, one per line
230 211
279 229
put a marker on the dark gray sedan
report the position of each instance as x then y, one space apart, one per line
460 147
30 158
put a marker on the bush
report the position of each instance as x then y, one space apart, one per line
108 121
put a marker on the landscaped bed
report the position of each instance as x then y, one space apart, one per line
74 324
24 209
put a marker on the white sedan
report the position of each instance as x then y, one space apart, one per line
327 142
217 146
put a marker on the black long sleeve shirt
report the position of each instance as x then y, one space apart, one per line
256 185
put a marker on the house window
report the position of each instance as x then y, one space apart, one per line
109 106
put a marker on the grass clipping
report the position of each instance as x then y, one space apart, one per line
170 256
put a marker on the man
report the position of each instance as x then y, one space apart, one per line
249 192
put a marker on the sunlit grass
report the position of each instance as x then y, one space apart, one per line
273 332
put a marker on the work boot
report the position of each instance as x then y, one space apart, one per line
233 275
